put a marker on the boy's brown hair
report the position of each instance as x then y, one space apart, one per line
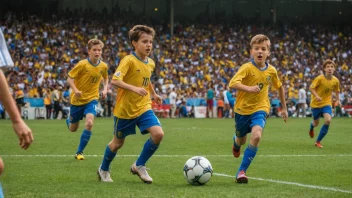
93 42
135 33
259 38
328 61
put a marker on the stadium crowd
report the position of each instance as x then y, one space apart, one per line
196 58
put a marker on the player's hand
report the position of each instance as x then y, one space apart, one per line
158 99
24 134
319 99
104 93
78 94
140 91
284 114
254 89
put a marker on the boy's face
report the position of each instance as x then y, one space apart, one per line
260 52
329 69
144 45
95 52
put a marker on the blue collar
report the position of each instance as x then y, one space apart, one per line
92 63
134 54
266 65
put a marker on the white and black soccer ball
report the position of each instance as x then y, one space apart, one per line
197 170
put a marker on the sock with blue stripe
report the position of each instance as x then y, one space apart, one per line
248 156
108 157
148 150
84 140
323 131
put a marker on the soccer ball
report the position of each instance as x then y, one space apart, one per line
197 170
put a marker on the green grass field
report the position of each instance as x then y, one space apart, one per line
287 163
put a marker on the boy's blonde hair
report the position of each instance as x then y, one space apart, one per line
135 33
93 42
328 61
260 38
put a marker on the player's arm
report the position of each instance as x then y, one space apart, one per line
71 76
105 84
313 88
23 132
236 82
120 84
284 113
154 95
337 92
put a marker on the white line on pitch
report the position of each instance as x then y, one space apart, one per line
291 183
44 155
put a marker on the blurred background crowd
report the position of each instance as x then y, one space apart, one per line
198 57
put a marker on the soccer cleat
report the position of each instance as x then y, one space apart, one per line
236 152
141 171
241 177
317 144
311 133
79 156
104 176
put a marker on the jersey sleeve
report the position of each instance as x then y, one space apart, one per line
237 78
122 69
76 70
276 83
315 83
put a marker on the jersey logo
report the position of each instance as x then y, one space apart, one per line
117 74
268 79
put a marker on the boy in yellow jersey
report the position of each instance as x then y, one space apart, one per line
322 88
133 104
252 106
84 80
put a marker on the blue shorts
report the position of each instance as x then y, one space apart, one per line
78 112
125 127
244 123
317 112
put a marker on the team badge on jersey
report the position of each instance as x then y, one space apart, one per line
117 74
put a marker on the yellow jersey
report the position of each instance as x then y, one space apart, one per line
87 78
249 75
324 89
136 72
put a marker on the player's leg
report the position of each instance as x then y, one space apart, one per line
76 114
327 112
257 124
147 123
85 137
242 128
109 155
316 112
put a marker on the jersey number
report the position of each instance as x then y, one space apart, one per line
145 81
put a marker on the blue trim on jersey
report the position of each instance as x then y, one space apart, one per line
266 65
92 63
125 127
317 112
134 54
78 112
244 123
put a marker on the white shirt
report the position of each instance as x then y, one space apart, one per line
173 97
302 96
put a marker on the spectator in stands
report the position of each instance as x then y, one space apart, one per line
172 98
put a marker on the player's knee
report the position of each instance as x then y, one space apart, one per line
89 124
157 137
114 146
327 121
